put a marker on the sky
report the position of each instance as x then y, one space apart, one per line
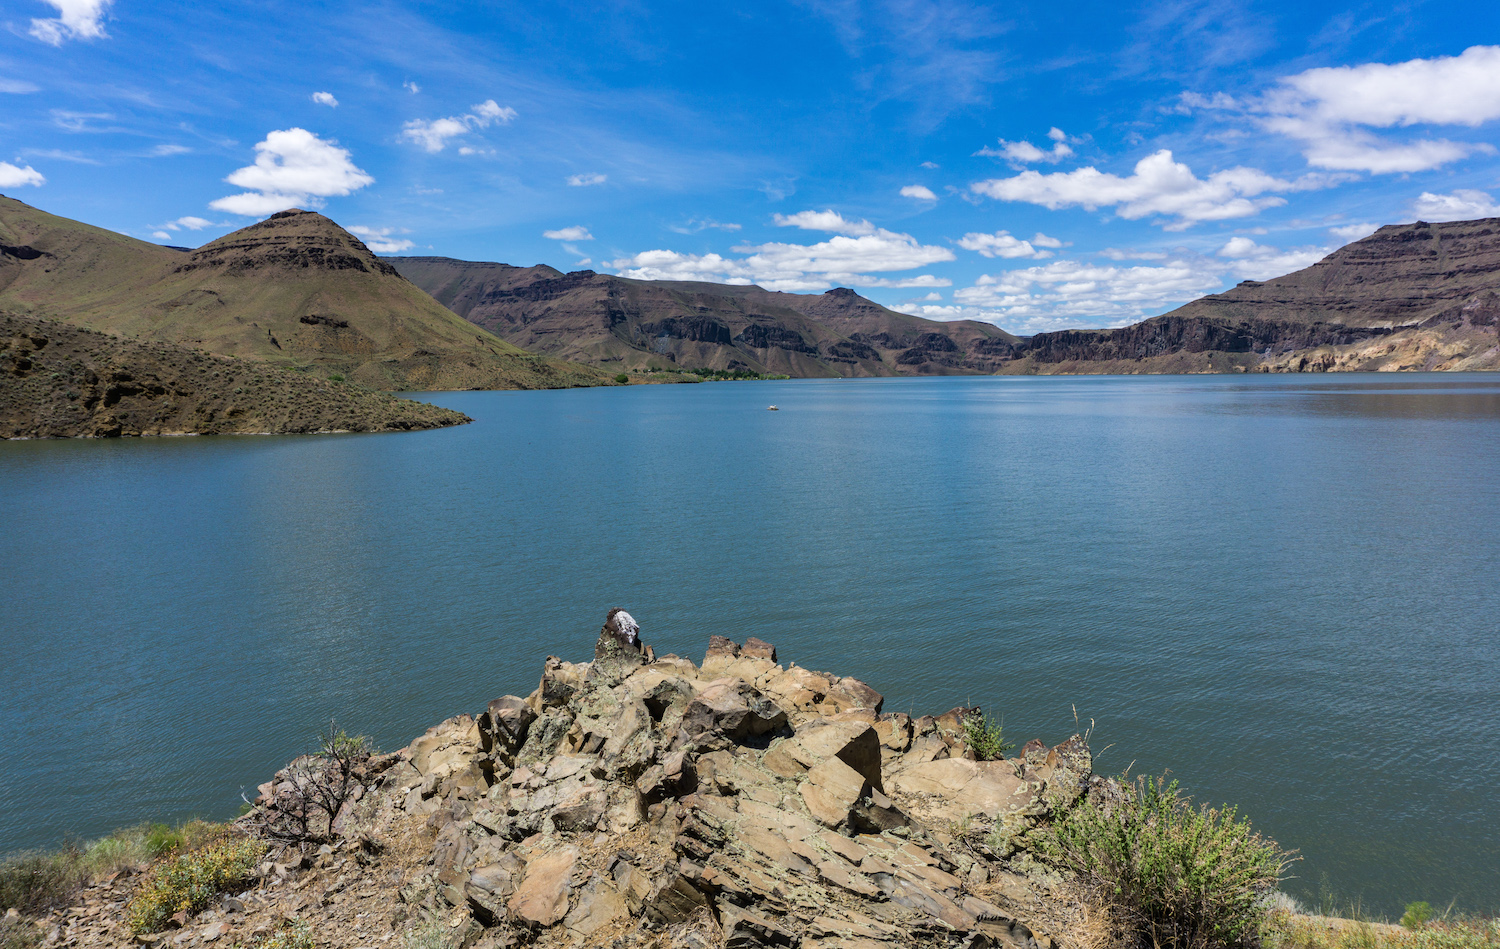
1038 165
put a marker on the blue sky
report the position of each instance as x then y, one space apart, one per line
1039 165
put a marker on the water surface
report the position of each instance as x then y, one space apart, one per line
1282 589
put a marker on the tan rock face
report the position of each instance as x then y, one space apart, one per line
543 895
658 803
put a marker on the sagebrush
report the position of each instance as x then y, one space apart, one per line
986 738
189 882
1175 875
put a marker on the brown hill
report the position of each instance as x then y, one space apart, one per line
295 288
59 380
636 324
1409 296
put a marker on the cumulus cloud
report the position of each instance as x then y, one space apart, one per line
1159 187
325 98
379 239
1462 205
161 235
1042 240
1353 232
434 135
1071 294
1025 153
13 176
856 249
830 221
1002 244
1252 261
190 222
292 167
920 192
1330 109
583 181
76 20
575 233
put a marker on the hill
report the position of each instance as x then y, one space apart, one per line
60 380
621 323
293 289
1409 296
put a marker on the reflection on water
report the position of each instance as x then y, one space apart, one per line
1282 588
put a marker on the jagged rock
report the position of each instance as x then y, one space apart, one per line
730 709
720 647
854 742
758 649
542 898
598 905
952 790
504 724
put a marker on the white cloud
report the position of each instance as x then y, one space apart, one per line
165 151
77 19
379 239
411 87
1254 261
17 87
695 225
1158 187
1042 240
292 167
930 165
1024 153
583 181
575 233
830 221
904 283
1001 244
12 176
435 135
842 259
1070 294
1330 109
1353 232
79 121
325 98
920 192
1462 205
161 235
190 222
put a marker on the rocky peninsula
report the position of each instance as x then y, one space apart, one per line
638 800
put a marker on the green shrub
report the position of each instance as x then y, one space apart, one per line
36 882
1416 914
622 378
19 934
190 881
1175 876
984 737
333 377
161 839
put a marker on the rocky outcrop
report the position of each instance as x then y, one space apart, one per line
644 800
59 381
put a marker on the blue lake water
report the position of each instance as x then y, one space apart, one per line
1283 589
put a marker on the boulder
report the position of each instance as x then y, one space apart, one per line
952 790
732 709
542 897
758 649
854 742
504 724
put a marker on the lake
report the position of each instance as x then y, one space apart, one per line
1285 590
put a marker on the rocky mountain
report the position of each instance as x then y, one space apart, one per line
295 288
1409 296
60 380
619 323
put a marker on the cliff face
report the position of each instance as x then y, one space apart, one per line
615 322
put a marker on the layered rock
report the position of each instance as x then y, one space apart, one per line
638 800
